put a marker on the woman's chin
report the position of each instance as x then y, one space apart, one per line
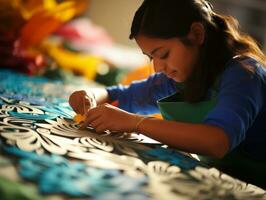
177 79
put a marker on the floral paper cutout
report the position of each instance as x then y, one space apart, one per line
36 126
55 174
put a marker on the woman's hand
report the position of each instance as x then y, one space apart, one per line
82 101
108 117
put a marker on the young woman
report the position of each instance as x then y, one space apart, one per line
210 87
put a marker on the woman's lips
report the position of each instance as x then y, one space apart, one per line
172 74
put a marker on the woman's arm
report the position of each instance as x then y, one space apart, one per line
141 96
195 138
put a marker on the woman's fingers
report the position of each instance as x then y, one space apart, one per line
99 125
106 117
93 113
100 128
91 116
76 100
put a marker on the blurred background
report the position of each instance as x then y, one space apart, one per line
64 38
116 15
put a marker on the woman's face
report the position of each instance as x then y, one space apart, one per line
170 56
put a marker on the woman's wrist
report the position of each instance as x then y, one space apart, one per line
139 119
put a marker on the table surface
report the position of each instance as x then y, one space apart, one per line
43 150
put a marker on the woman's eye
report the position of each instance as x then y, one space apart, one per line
165 55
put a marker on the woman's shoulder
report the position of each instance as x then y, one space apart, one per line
244 78
244 66
243 75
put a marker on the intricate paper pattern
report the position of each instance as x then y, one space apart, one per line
37 128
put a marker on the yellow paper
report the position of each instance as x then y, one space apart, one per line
79 118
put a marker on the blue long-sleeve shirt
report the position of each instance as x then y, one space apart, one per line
240 110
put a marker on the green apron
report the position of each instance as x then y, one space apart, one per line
235 163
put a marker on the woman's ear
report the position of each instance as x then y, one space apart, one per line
197 33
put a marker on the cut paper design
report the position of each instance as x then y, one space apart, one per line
38 90
38 132
155 180
35 128
55 174
214 185
173 157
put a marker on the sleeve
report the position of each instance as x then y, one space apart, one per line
141 96
239 102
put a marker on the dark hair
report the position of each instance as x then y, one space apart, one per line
173 18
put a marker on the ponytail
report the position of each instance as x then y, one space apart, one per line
239 42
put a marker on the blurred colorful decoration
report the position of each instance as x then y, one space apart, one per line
24 25
80 63
29 7
85 40
11 22
82 32
44 17
45 37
